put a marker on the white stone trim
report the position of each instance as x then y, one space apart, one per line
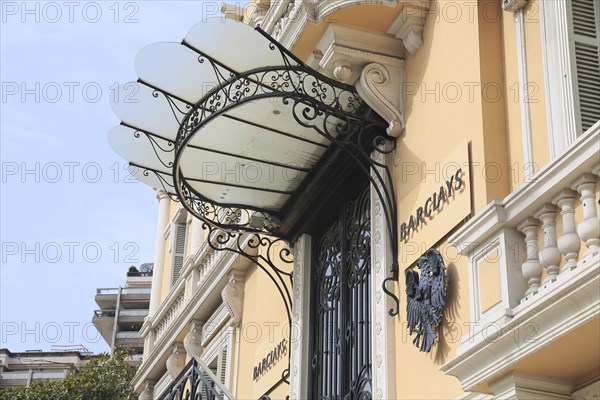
570 302
300 340
559 77
214 324
477 314
233 296
527 136
588 392
522 386
523 202
381 87
382 324
409 23
209 287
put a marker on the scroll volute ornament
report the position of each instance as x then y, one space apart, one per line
176 361
233 296
193 340
425 299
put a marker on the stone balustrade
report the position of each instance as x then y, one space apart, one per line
560 251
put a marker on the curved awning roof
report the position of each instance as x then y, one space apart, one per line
232 123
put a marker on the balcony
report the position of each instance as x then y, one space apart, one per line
534 269
134 297
131 339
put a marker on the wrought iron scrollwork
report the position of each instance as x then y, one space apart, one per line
341 309
271 254
196 382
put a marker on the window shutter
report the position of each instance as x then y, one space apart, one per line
223 367
586 14
178 251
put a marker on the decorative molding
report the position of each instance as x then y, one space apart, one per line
176 361
520 386
513 5
409 24
233 296
193 340
588 392
161 194
571 302
232 11
286 20
208 290
300 335
370 60
530 196
148 393
559 76
381 88
214 323
353 48
382 325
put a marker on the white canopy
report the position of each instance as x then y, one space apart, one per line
215 111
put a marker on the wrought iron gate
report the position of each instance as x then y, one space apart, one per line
341 305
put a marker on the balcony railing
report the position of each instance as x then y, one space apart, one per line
134 313
125 291
129 335
139 274
104 313
543 240
48 374
15 375
197 381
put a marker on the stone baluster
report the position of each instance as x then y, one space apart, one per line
568 242
589 228
176 361
549 256
531 268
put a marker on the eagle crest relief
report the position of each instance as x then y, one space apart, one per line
425 298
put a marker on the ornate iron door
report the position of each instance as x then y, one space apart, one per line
341 305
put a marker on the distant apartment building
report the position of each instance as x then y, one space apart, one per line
23 368
123 309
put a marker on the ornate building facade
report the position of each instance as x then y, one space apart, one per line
315 163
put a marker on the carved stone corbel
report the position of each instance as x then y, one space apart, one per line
409 23
233 296
193 340
373 61
148 393
380 86
176 361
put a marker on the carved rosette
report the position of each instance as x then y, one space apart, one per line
176 361
381 88
193 340
233 296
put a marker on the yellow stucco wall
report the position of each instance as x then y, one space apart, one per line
264 326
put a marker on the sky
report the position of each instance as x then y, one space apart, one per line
71 218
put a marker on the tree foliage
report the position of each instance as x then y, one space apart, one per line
103 378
